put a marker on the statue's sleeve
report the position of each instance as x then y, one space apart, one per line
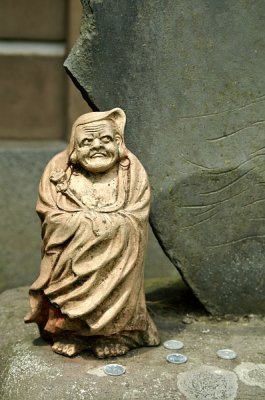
47 192
139 196
58 225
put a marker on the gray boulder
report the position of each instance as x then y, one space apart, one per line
190 76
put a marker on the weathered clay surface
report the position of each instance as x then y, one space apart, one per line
190 76
94 202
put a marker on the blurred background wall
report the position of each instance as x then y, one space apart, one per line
38 101
38 104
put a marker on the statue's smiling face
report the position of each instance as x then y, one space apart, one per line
97 146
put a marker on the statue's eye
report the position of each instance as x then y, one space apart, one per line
106 139
86 142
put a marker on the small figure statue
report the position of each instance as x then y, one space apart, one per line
93 203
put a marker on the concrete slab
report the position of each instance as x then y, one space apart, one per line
29 369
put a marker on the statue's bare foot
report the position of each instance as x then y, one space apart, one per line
104 350
69 349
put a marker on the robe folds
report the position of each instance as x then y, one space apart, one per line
93 256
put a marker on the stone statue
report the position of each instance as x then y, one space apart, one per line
93 203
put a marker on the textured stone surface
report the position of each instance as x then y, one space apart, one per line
29 369
21 166
190 76
251 374
206 383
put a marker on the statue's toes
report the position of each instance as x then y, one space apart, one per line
112 349
70 350
99 352
106 351
57 347
121 349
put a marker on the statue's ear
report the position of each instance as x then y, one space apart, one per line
118 139
73 157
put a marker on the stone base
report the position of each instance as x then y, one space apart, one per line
29 369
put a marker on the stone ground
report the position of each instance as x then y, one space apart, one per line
30 370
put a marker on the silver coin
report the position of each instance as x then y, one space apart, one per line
226 354
176 358
173 344
114 369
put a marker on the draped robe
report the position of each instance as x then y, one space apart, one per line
93 256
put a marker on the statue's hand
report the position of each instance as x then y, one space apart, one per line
90 215
101 222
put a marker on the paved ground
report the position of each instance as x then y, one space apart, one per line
30 370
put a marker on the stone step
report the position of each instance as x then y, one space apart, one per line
30 370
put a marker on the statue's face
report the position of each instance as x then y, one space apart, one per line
97 146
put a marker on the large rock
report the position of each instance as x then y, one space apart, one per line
190 75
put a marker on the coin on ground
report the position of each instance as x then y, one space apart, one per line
173 344
114 369
176 358
226 354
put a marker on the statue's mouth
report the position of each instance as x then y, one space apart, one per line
98 155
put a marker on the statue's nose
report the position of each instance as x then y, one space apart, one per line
96 143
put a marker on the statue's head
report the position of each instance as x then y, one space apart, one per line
97 140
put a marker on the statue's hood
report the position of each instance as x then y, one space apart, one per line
116 115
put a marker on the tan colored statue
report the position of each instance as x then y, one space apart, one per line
93 203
